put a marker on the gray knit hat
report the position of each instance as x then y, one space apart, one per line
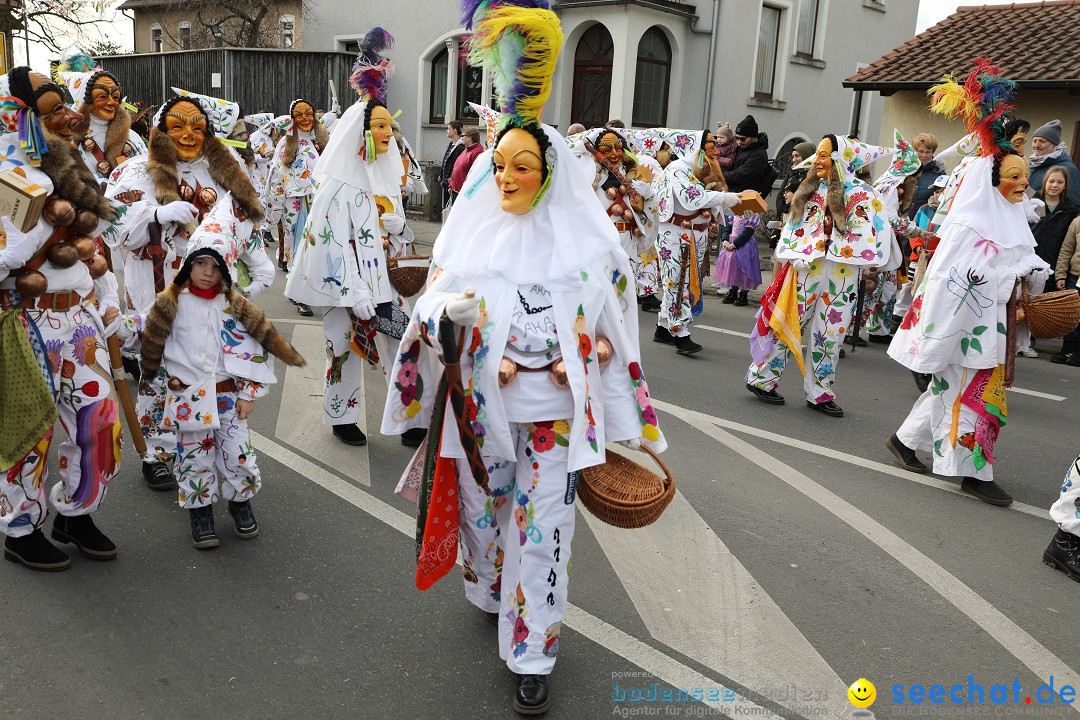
1051 131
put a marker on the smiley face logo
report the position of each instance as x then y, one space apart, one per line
862 693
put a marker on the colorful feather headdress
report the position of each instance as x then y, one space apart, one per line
981 102
371 69
518 41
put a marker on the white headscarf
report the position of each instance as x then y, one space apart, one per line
979 206
563 234
341 159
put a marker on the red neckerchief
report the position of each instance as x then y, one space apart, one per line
208 294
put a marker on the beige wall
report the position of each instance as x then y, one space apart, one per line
909 112
170 19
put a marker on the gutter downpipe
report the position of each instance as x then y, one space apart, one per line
712 61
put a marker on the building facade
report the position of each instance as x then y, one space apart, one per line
167 25
646 62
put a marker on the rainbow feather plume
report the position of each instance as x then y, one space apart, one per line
519 43
981 102
371 69
79 62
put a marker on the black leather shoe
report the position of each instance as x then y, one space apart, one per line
769 397
158 476
880 339
492 618
685 346
36 552
662 335
905 455
731 297
203 535
826 408
414 437
987 491
649 303
843 353
531 696
742 300
304 310
350 434
84 534
922 380
1063 553
243 519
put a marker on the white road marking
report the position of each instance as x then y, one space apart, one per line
1022 391
695 596
647 658
1011 636
296 321
300 420
695 418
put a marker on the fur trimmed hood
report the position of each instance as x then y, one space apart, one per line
160 320
292 143
834 197
73 180
224 169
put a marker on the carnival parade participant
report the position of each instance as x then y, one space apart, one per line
624 189
164 194
836 228
291 185
357 219
896 186
213 345
690 197
536 282
958 326
53 338
1063 552
104 137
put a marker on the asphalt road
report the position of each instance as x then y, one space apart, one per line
796 559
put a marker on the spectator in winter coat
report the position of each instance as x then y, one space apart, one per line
1047 151
799 153
725 145
925 145
1050 230
751 165
454 148
465 160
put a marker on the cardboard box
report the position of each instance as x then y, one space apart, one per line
751 202
21 200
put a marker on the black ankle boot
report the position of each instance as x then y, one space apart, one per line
158 476
414 437
81 531
663 335
1062 356
986 490
349 434
685 346
1063 553
742 300
731 297
649 303
905 455
36 552
203 535
531 696
243 519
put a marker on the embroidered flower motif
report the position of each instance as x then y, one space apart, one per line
846 251
868 254
543 439
407 374
876 204
183 412
224 403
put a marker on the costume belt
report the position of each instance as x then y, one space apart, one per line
688 220
225 386
60 301
623 226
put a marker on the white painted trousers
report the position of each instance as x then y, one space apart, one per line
1066 510
344 368
214 465
516 544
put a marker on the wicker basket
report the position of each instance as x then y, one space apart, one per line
624 494
1051 315
408 280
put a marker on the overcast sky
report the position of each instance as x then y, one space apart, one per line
932 12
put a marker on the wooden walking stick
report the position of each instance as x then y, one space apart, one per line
120 384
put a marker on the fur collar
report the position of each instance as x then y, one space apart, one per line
224 169
292 143
73 180
116 137
834 197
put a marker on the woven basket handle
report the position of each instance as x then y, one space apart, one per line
656 458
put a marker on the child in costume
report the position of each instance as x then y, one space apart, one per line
529 270
739 266
215 347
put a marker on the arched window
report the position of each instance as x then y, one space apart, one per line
652 79
440 73
592 77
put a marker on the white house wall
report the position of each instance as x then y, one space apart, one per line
809 100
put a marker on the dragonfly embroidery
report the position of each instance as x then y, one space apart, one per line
968 292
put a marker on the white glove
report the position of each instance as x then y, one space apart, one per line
21 246
1037 279
634 444
254 289
364 308
462 309
731 199
800 264
177 211
642 188
394 224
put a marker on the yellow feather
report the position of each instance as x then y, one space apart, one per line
951 99
542 40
